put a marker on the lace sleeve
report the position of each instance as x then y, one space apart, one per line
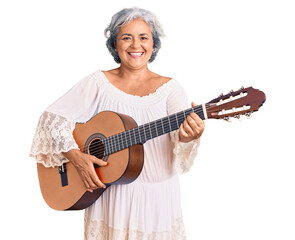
52 137
184 153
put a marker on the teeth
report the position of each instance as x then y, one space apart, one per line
135 54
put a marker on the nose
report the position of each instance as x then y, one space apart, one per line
135 43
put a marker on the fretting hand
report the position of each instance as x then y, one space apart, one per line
192 127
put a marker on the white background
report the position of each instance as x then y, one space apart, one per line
242 183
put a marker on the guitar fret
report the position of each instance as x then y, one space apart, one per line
115 143
162 125
134 135
125 139
139 134
122 141
169 123
150 130
105 147
177 120
129 139
118 145
130 135
144 133
111 143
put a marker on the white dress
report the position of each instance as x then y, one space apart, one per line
148 208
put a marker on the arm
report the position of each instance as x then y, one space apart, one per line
53 143
186 139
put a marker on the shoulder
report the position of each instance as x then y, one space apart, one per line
164 80
160 78
94 79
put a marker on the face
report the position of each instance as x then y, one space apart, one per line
134 44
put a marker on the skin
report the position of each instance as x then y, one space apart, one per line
134 45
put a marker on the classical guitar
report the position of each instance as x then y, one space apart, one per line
116 138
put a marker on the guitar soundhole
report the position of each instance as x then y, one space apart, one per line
96 148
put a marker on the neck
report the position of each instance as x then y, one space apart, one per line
133 74
145 132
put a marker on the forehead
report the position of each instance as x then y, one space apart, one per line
136 26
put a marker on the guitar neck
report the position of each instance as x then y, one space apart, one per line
145 132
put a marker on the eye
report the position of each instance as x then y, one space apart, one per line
143 38
126 38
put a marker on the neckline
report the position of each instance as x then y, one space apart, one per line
156 92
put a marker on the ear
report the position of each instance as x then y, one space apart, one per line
115 46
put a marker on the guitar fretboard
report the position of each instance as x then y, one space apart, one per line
145 132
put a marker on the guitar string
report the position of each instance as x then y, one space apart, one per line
145 125
116 144
112 138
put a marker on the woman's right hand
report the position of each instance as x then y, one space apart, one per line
84 163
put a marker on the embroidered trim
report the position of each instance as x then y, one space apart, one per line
98 230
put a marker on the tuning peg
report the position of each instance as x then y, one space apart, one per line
248 114
238 117
231 91
221 95
226 119
242 88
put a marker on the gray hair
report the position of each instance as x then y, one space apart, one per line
125 16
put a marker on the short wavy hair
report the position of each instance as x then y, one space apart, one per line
125 16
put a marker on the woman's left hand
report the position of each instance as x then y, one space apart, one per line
192 127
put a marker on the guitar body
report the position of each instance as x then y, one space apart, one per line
62 187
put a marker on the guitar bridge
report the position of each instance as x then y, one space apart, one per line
63 174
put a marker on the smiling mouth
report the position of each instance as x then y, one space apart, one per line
135 54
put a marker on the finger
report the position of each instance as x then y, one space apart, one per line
88 184
199 122
194 104
182 131
193 124
96 181
187 128
99 162
196 117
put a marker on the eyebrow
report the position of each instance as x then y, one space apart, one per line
128 34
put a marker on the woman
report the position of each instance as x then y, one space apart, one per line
149 207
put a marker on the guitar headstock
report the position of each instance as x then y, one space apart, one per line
242 102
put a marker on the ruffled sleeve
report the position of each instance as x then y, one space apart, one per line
54 132
53 136
184 153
